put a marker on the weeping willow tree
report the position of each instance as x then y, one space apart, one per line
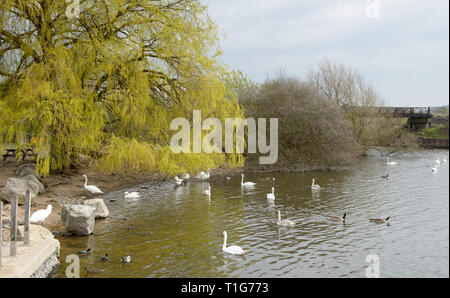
106 81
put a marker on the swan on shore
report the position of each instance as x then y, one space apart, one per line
234 249
91 188
133 194
271 196
315 186
390 163
248 183
39 216
284 222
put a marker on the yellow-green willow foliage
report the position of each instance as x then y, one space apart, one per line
108 83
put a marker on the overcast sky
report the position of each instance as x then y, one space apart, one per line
404 52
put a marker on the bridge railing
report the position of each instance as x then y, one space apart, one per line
401 112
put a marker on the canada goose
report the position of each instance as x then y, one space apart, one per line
84 252
315 186
337 218
94 270
39 216
379 220
207 191
284 222
125 259
271 196
385 177
105 258
91 188
390 163
248 183
234 249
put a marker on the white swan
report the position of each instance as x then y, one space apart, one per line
434 170
202 175
185 176
133 194
284 222
444 160
315 186
234 249
179 181
437 162
39 216
271 196
246 183
390 163
91 188
207 191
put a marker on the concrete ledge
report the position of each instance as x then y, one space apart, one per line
38 259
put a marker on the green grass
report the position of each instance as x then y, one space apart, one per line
438 132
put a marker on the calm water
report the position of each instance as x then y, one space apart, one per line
177 232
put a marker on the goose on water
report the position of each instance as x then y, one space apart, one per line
91 188
379 220
284 222
246 184
234 249
39 216
105 258
337 218
386 177
85 252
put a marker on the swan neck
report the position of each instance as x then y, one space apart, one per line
279 215
85 180
224 240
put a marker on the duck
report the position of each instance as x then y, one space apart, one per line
390 163
234 249
202 175
337 218
105 258
284 222
386 177
94 270
379 220
315 186
91 188
85 252
246 184
125 259
207 191
271 196
40 216
133 194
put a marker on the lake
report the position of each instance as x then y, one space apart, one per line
177 232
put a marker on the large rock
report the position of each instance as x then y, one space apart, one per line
29 171
17 187
78 219
22 167
35 180
101 211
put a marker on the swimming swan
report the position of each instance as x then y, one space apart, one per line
271 196
234 249
133 194
179 181
207 191
202 175
246 183
315 186
437 162
390 163
284 222
91 188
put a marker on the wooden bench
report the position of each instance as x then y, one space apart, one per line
23 152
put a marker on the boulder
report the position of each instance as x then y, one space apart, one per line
28 165
29 171
35 180
78 219
17 187
101 211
